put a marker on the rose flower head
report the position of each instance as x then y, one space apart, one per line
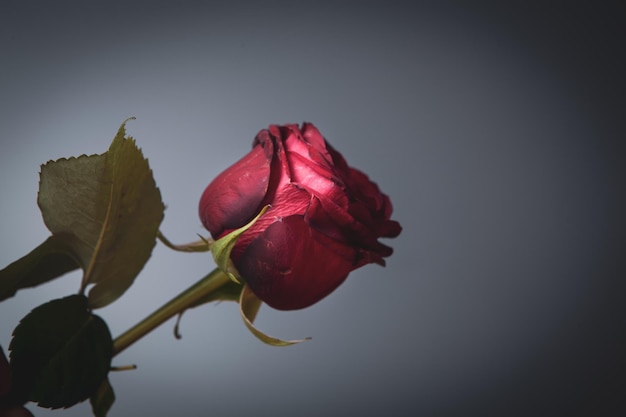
323 221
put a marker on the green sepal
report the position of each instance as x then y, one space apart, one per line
221 249
202 245
249 305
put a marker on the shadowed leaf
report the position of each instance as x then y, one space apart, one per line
103 399
47 261
5 376
60 353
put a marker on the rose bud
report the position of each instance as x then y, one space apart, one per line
323 222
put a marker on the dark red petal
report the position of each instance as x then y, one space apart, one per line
288 269
340 164
365 190
390 228
234 197
345 230
289 200
318 147
281 173
326 215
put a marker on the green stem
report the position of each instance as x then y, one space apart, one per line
213 281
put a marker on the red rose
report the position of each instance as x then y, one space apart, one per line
324 221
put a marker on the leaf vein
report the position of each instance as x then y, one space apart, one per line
97 249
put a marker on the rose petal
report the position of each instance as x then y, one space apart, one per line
288 269
365 246
236 195
318 150
291 200
390 228
319 180
336 221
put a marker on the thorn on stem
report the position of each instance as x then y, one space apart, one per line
177 334
123 368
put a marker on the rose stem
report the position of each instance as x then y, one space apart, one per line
214 280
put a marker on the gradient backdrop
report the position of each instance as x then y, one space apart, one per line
498 132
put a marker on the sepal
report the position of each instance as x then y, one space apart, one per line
221 249
249 305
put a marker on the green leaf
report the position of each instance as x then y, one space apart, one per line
103 399
47 261
108 209
60 353
249 305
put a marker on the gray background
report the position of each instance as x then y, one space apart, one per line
496 130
